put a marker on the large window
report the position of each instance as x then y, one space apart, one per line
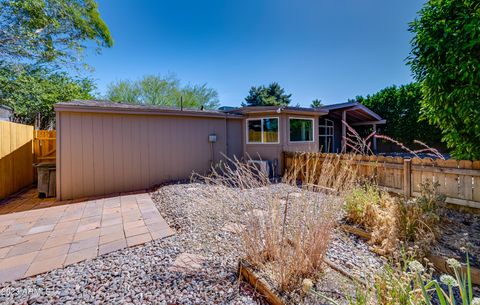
262 130
301 130
326 135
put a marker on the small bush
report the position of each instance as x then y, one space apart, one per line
418 218
394 220
406 281
361 205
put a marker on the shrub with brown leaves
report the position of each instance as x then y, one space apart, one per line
394 220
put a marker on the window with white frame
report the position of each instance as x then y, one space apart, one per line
262 130
301 130
326 135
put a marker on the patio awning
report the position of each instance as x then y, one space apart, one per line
356 114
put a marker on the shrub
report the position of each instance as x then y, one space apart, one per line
419 217
361 205
461 280
394 220
400 282
407 281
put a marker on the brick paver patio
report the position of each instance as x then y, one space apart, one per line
37 241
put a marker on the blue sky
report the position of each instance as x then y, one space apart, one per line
332 50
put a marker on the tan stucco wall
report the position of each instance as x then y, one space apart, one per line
275 151
105 153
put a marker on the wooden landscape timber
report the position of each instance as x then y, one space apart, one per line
246 273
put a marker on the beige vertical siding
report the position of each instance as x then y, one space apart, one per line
107 153
275 151
234 138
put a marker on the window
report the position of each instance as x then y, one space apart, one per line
262 130
254 131
326 134
301 130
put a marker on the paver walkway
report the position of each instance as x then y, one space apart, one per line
26 201
37 241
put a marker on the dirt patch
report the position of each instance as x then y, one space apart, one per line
460 231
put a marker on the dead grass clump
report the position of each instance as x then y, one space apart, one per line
376 212
419 217
362 204
296 234
285 229
331 173
392 221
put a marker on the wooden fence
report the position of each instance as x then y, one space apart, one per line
45 146
16 158
459 180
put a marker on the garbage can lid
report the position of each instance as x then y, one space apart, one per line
46 164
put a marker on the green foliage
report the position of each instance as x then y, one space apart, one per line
164 91
407 281
445 59
401 107
463 282
273 95
46 31
360 205
31 92
419 216
316 103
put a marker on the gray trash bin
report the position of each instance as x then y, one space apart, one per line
46 179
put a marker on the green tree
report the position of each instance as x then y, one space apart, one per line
46 31
273 95
316 103
445 59
164 91
31 92
400 106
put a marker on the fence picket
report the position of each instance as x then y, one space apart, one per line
45 146
16 157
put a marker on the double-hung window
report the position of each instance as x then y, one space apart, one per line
301 130
262 130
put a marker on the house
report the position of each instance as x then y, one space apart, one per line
332 131
271 130
105 147
5 113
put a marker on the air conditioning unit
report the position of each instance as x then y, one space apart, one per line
262 166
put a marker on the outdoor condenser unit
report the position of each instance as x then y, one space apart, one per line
262 166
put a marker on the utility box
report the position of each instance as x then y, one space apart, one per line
46 179
262 166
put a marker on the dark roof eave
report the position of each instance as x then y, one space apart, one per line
279 109
353 106
134 109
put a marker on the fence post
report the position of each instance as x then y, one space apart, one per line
407 177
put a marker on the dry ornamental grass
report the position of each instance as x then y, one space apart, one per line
285 233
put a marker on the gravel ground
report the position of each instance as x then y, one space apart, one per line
459 230
141 275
